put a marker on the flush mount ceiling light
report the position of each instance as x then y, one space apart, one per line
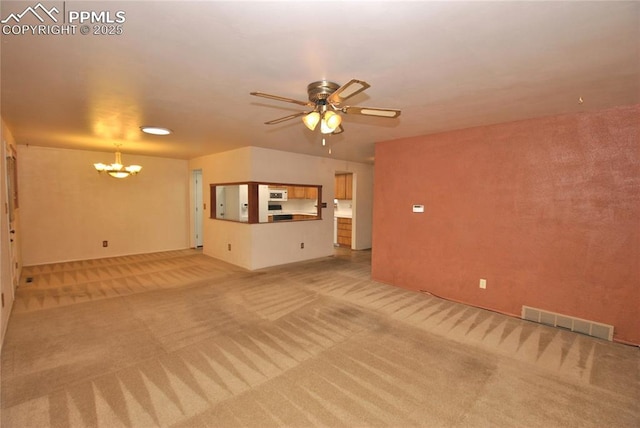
117 169
326 98
155 130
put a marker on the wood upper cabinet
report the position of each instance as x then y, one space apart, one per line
311 193
348 187
341 180
302 192
344 186
296 192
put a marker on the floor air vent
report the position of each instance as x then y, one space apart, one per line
590 328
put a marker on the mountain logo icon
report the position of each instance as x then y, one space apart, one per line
38 11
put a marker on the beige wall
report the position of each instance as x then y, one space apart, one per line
269 165
68 209
261 245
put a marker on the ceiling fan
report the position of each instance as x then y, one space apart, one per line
327 100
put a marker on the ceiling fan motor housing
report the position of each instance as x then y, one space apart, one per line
321 90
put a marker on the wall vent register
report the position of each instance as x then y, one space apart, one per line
578 325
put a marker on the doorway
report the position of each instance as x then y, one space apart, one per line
344 210
12 206
198 208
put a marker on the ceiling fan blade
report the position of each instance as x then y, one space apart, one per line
277 98
371 111
282 119
347 90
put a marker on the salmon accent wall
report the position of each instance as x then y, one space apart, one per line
546 210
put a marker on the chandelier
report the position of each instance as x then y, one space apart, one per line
117 169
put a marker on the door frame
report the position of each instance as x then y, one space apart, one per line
197 208
11 200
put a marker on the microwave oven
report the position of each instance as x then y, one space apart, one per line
278 195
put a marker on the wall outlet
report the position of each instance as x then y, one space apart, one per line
483 283
105 243
302 245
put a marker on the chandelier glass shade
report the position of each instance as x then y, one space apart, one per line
117 169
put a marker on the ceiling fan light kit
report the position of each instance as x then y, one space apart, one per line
311 120
330 122
326 98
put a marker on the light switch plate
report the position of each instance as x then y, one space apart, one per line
418 208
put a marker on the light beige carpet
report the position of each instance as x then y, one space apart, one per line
180 339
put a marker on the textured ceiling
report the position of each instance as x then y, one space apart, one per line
190 66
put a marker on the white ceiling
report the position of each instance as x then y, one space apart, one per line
190 66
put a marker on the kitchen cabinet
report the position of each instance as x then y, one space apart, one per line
302 192
344 186
341 181
311 193
344 232
295 217
296 192
305 217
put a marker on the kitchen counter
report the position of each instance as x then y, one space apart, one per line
296 216
342 215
